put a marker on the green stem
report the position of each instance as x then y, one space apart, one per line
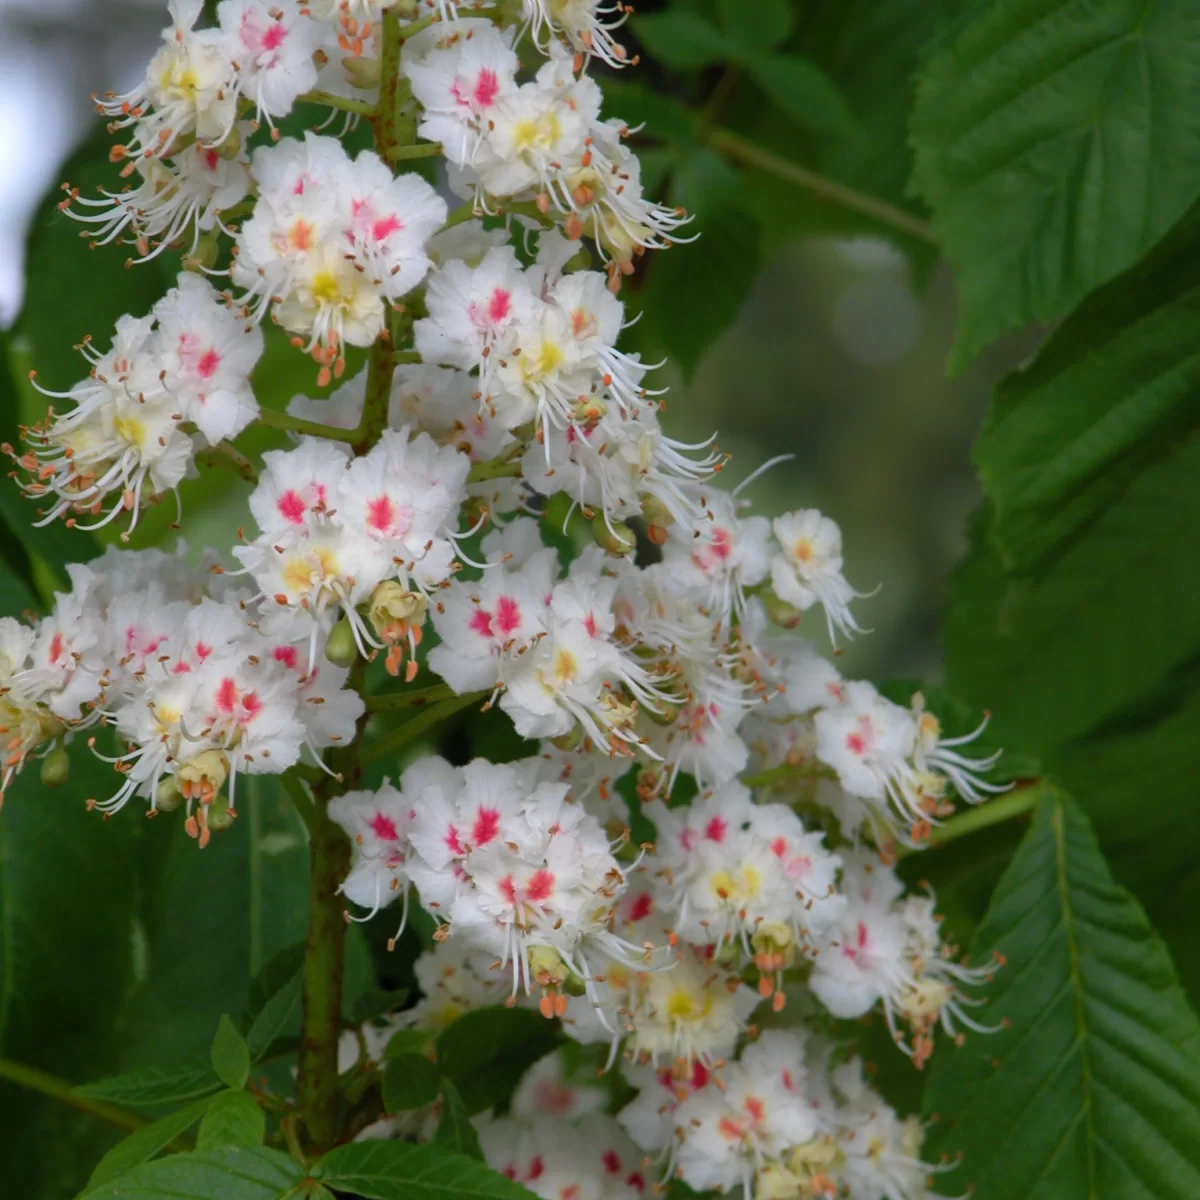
418 698
1017 803
735 146
464 212
427 720
318 1095
789 773
360 108
49 1085
225 455
482 472
285 421
421 150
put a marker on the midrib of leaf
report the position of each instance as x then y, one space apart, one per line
1068 918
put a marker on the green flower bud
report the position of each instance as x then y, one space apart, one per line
783 614
362 72
56 768
168 796
341 649
220 815
617 541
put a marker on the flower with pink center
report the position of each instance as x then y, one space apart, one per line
271 45
458 72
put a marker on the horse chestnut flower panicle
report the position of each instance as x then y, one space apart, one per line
494 382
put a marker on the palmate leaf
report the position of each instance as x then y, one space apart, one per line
1056 141
401 1171
232 1119
1092 1086
1138 779
225 1173
1053 653
149 1142
1107 397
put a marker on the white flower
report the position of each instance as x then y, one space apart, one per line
331 240
271 44
808 568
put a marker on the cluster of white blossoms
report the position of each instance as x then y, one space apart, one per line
171 383
174 658
657 675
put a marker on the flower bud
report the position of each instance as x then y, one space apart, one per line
618 540
168 797
785 615
56 767
231 147
571 740
204 256
341 649
362 72
220 815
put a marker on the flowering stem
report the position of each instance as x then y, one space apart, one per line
735 146
789 773
1017 803
482 472
421 150
49 1085
411 730
419 698
464 212
360 108
319 1098
278 420
225 455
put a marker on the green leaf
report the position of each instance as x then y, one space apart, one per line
756 26
1092 1086
408 1041
148 1086
804 92
1106 398
409 1081
1064 129
201 957
1052 654
399 1171
1137 779
274 1003
487 1050
66 961
454 1128
227 1173
148 1143
232 1119
682 39
230 1055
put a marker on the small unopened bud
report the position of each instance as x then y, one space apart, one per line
656 512
56 768
574 985
362 72
167 797
613 537
204 256
779 611
547 967
662 713
571 740
341 649
231 147
220 815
